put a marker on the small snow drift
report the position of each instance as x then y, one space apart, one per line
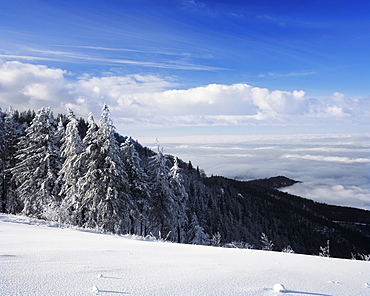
95 289
279 288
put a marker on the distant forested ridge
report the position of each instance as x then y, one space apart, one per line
83 173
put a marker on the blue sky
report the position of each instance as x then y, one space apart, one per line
194 64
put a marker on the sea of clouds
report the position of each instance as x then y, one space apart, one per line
333 168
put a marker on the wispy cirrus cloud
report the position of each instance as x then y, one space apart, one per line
151 51
291 74
271 19
194 5
28 58
148 59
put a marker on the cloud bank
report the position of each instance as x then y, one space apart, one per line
146 100
333 168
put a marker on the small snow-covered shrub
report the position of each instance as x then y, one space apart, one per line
216 239
267 245
238 245
288 249
325 251
364 257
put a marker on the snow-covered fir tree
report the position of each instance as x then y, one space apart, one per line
72 170
325 251
13 131
288 249
196 234
216 239
2 163
59 136
138 182
38 166
180 197
161 215
60 133
267 244
104 191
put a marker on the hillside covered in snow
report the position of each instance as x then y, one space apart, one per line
37 259
77 172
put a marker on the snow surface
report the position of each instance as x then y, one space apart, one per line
37 258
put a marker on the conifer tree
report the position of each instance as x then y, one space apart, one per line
138 182
196 234
180 197
2 162
60 132
325 251
216 239
13 132
71 171
267 245
161 213
38 165
59 136
104 190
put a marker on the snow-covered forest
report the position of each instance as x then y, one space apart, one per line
83 173
87 175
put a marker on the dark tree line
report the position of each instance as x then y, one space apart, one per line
84 173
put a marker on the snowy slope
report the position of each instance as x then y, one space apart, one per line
38 259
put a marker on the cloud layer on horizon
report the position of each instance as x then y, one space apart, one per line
334 168
143 100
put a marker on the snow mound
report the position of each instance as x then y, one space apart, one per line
279 288
95 290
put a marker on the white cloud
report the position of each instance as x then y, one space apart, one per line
148 100
279 102
121 92
32 86
345 195
217 104
335 111
27 86
328 158
338 97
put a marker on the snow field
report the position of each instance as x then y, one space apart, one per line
38 259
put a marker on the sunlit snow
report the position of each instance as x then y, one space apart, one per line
37 258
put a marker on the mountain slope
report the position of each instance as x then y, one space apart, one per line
87 175
241 211
38 259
